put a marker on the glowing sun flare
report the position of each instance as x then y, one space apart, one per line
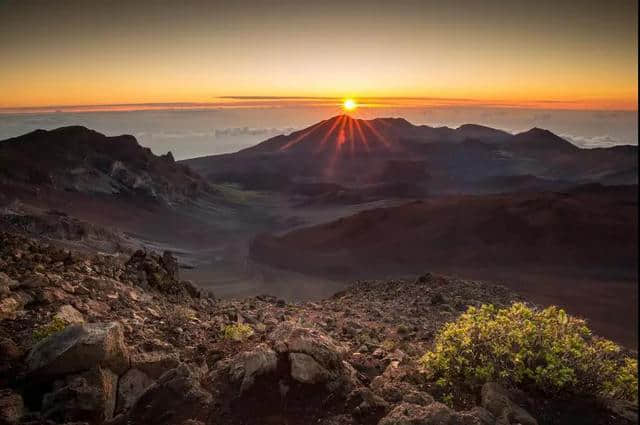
349 104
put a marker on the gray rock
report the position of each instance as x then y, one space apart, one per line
251 364
130 386
69 314
306 370
155 363
496 400
622 408
80 347
175 398
314 357
89 396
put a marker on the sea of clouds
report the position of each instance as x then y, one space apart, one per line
192 133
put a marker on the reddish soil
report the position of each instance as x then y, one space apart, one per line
577 249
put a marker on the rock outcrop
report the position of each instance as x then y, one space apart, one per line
79 348
82 160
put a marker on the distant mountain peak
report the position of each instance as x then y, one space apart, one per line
474 126
539 138
538 131
400 122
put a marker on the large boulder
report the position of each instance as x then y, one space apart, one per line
174 399
298 375
252 364
78 348
314 357
89 396
496 399
130 386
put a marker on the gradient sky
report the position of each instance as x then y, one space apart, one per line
564 54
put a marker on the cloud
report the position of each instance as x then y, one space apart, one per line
218 133
604 141
248 131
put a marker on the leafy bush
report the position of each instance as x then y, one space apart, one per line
55 325
237 332
548 351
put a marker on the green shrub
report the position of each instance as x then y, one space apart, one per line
55 325
547 351
237 332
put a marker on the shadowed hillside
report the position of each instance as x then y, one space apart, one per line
358 154
82 160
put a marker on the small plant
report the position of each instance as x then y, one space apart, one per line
237 332
54 326
388 345
402 330
180 315
544 350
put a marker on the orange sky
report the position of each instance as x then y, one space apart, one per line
571 55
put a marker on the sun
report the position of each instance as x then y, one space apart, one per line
349 104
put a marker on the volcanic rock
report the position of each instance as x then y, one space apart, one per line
176 397
130 386
496 400
89 396
80 347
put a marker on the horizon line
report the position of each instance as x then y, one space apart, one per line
261 101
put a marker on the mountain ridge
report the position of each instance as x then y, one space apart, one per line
75 158
351 152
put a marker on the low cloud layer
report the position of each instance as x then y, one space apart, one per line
591 142
191 133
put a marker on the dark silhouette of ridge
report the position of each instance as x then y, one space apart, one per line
472 158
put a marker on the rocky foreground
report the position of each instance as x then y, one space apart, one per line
122 340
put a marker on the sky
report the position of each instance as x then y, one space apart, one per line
278 54
201 77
